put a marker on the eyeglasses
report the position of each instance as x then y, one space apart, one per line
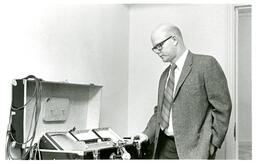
157 48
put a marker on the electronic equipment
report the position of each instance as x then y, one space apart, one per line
42 120
100 143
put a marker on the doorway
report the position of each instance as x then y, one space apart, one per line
239 136
243 82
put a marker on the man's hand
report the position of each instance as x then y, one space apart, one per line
213 149
140 138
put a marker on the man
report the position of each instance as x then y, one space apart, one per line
191 118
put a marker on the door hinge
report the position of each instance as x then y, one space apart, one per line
235 132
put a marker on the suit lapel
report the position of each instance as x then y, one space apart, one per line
184 73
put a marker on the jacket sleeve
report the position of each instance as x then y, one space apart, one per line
219 98
151 126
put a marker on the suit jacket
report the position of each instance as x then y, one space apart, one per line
201 108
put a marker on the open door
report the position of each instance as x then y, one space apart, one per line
244 113
239 137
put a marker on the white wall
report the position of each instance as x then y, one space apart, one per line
78 43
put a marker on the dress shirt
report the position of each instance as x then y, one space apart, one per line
180 62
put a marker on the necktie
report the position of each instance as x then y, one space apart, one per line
168 98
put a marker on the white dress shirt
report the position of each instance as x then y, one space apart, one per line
180 63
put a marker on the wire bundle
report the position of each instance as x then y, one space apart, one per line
37 94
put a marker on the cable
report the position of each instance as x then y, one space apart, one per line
20 143
18 108
38 149
28 139
36 116
9 152
31 123
37 94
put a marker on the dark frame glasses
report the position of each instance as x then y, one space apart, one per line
157 48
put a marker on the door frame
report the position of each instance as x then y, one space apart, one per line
232 149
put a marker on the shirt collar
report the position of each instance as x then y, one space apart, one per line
180 62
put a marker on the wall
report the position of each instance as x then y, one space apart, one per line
75 43
204 29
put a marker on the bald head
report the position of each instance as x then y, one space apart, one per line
167 42
165 30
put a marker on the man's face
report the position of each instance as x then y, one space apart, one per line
164 46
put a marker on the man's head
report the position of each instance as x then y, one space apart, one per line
167 42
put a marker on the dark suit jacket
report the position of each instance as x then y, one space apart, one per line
201 109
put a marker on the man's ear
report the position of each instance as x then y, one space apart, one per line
175 42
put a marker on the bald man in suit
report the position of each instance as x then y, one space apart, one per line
192 116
